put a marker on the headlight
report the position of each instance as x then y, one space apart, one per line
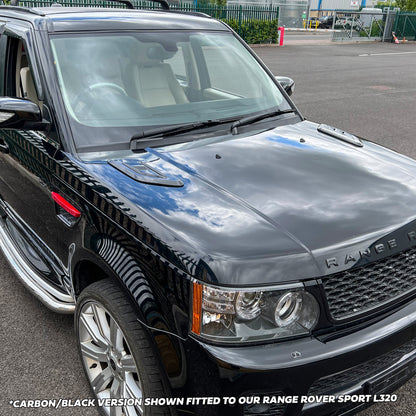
228 315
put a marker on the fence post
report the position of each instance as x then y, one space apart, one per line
240 12
386 25
404 26
396 23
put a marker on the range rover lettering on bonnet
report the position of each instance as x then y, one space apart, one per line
369 253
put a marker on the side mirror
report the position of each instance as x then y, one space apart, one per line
287 83
17 113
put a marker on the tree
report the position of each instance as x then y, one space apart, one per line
405 5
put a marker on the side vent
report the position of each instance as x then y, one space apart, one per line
142 172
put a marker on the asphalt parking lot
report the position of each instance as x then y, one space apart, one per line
368 89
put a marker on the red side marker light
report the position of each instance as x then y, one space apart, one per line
63 203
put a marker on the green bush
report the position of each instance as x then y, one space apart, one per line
255 30
374 31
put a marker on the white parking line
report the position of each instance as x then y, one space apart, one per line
386 53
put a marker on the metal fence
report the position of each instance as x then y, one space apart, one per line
375 26
242 13
255 24
405 25
359 26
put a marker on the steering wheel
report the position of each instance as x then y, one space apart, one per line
106 85
86 101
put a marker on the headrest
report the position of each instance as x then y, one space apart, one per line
158 53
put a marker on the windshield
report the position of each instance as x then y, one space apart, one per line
115 86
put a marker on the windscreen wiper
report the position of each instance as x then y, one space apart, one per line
252 119
147 138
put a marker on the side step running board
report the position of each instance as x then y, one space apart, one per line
52 298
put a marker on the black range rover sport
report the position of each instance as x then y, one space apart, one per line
209 240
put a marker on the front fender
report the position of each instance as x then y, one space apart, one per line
158 307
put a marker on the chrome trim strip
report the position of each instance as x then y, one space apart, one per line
52 298
339 134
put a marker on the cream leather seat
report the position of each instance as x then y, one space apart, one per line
153 81
28 86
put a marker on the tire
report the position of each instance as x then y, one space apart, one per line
117 355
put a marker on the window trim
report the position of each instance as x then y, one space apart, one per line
3 49
18 33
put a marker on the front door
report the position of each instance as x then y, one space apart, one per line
27 159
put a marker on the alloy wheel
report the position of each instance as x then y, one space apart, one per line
108 360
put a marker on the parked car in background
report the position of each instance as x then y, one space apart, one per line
326 22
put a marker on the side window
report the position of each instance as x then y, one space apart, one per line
18 75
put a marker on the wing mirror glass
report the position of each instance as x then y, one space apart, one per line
287 83
17 113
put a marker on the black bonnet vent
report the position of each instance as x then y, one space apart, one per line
142 172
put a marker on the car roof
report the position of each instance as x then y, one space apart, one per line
64 19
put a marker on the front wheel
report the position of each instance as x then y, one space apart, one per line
116 353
